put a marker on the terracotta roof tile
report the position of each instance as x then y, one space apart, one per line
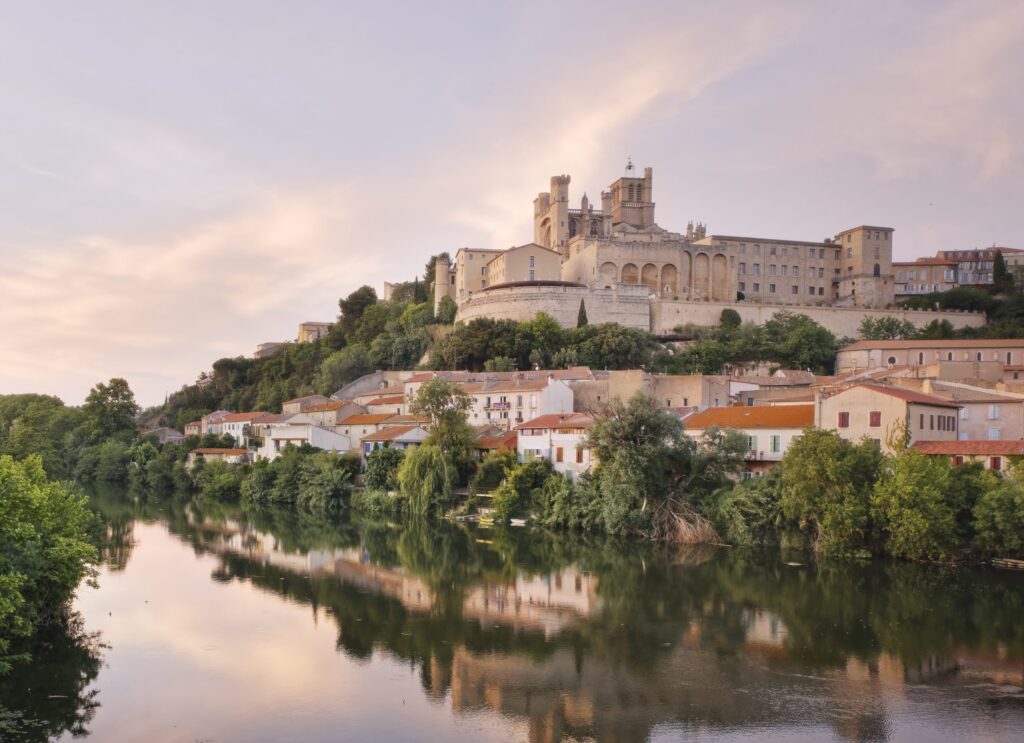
904 394
225 452
1003 447
363 419
559 421
390 434
760 416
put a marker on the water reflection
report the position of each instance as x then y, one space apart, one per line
593 638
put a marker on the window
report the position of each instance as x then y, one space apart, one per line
771 270
821 291
995 463
849 252
979 356
931 422
743 287
776 443
921 426
757 269
796 289
773 250
757 288
821 253
1009 357
751 443
993 412
771 288
532 261
844 420
743 268
877 271
920 357
875 418
796 271
579 456
810 290
559 454
957 460
784 269
532 275
785 251
796 252
992 434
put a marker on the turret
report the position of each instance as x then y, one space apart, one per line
442 282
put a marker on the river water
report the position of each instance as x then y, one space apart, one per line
213 624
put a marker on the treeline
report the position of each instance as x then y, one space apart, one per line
827 495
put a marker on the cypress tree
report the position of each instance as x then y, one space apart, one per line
581 319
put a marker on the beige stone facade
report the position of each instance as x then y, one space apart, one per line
617 257
877 354
877 412
526 263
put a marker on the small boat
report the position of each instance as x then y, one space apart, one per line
517 522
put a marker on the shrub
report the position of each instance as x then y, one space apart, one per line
999 518
910 506
382 469
494 469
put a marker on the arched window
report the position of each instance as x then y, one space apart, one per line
949 356
594 228
878 270
920 357
572 228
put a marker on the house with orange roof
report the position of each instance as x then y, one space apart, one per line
301 404
292 431
216 454
489 439
394 437
878 411
392 403
358 426
560 438
239 426
770 430
998 456
329 414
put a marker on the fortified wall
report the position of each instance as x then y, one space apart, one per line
631 306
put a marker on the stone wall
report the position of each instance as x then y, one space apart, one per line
631 306
626 305
842 321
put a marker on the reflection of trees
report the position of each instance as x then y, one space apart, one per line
662 616
47 696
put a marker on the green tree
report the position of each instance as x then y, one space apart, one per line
999 518
1002 279
729 319
353 307
825 490
342 367
581 316
446 310
382 468
423 479
911 508
110 411
445 405
800 343
887 328
500 364
45 549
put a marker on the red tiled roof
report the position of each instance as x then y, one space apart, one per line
559 420
225 452
985 447
506 440
386 400
327 406
940 345
241 417
761 416
390 434
904 394
365 419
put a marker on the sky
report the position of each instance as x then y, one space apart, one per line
182 181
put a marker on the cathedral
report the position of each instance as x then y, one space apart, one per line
626 268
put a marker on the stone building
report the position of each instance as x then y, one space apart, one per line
627 268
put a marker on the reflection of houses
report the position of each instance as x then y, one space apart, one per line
546 602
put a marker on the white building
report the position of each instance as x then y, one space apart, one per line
394 437
559 438
278 436
770 430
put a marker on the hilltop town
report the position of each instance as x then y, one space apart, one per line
615 271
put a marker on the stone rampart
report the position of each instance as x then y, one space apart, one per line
632 307
842 321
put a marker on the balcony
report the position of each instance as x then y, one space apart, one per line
498 405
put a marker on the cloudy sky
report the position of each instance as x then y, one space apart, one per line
182 181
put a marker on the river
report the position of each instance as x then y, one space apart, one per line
214 624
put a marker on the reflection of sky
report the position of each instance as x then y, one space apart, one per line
225 661
193 658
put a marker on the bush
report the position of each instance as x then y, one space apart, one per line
378 503
44 549
999 518
325 484
911 508
421 479
382 469
494 469
750 515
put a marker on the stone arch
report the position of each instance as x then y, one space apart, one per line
630 274
669 280
685 274
545 232
719 278
649 277
608 274
701 276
